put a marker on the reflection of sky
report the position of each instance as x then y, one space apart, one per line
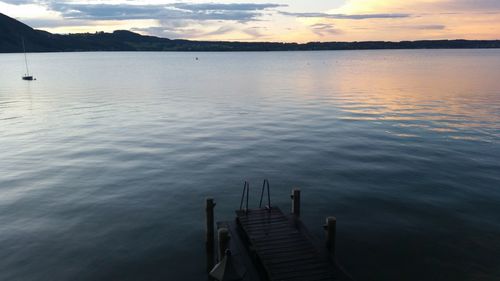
279 20
422 95
453 94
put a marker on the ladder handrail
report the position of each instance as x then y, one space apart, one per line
264 185
246 187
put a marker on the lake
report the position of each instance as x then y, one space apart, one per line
106 159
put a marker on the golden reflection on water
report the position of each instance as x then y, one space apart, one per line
443 96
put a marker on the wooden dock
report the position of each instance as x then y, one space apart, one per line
267 245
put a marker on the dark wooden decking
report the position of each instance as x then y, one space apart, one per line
283 247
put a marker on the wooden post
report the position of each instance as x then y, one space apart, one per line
223 237
209 232
330 228
209 211
296 202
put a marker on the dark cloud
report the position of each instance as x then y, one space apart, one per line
51 23
225 7
176 11
108 11
346 16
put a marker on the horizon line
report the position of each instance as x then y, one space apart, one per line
272 42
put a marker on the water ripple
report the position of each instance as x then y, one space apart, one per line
100 180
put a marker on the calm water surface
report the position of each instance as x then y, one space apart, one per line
106 159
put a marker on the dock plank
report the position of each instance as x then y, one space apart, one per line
283 250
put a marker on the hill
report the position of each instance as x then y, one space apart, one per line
12 32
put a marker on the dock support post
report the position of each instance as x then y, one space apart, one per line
223 237
330 227
209 232
209 209
296 202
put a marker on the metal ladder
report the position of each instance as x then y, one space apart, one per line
245 195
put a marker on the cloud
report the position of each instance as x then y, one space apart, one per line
346 16
421 27
176 11
173 20
323 29
428 7
183 31
470 5
187 30
254 32
50 23
225 7
429 27
107 11
248 20
21 2
219 31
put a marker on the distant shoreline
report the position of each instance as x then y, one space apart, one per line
125 41
243 51
38 41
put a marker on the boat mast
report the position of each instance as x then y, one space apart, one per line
25 59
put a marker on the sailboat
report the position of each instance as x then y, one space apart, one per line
26 76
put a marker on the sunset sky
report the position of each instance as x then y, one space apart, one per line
272 20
